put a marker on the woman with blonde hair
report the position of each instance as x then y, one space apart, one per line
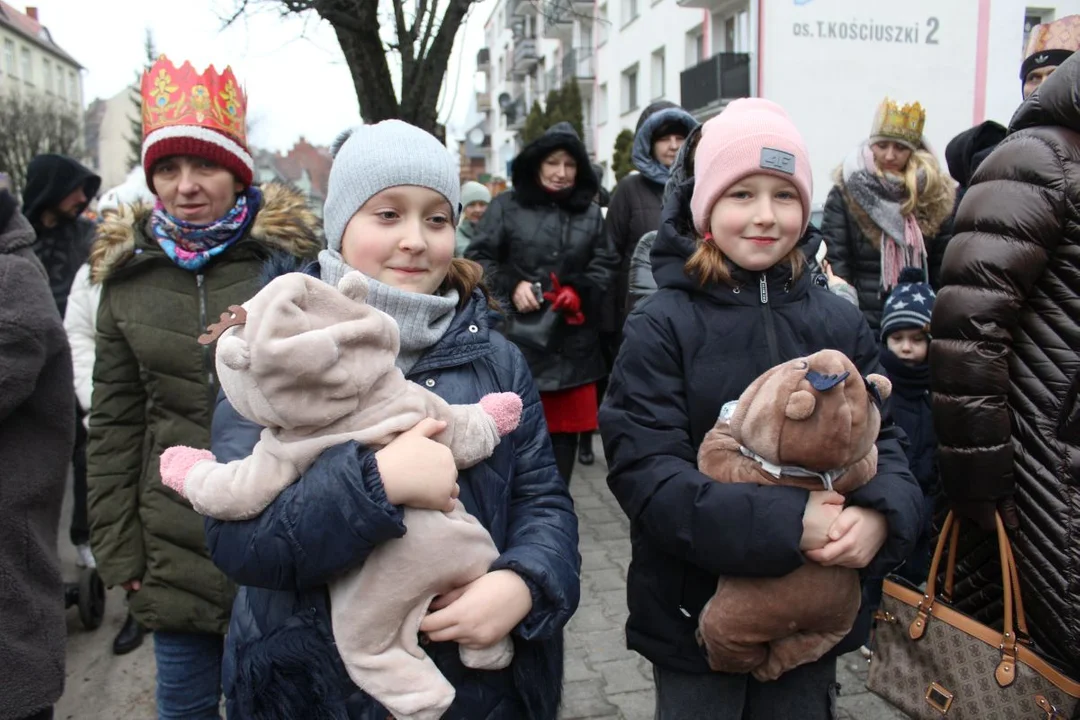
891 208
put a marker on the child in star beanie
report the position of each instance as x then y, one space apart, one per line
751 136
910 305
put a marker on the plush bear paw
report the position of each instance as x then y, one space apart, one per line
493 657
177 461
504 409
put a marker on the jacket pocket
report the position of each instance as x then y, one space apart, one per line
1068 422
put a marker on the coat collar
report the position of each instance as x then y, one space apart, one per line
284 223
467 339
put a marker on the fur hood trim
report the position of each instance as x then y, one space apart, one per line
284 223
931 212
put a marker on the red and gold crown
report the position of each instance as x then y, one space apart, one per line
903 124
188 113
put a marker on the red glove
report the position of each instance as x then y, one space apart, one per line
566 300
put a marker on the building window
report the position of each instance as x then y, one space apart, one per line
657 85
629 90
27 66
603 25
59 81
73 87
47 76
629 12
9 57
695 46
602 105
1033 17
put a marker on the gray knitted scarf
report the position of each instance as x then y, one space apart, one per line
422 319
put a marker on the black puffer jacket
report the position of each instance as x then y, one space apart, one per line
687 351
856 257
528 233
1005 362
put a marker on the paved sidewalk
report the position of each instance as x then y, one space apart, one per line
606 681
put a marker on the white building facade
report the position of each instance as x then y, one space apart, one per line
828 62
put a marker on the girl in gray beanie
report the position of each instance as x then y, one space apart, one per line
391 208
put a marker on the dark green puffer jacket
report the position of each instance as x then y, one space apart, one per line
155 387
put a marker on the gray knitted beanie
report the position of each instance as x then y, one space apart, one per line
371 158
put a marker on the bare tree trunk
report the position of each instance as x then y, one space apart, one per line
424 47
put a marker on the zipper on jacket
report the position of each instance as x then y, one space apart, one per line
770 327
208 363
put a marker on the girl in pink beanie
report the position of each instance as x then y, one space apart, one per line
733 300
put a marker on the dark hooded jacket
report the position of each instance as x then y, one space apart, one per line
529 233
966 151
635 206
65 247
331 519
686 351
1005 363
37 433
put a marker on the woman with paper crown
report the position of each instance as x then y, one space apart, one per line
891 208
166 271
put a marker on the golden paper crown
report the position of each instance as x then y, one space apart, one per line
1063 34
899 123
182 97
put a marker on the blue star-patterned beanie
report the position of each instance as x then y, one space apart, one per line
910 304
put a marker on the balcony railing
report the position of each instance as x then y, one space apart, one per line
724 76
483 101
526 55
578 63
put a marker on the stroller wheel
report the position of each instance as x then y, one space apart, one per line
91 599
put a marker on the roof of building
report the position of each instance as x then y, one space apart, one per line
29 28
303 157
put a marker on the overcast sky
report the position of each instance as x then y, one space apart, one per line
295 75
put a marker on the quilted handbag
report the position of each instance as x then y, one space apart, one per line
932 661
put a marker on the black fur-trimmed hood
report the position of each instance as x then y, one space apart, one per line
525 171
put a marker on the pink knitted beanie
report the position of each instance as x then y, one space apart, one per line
750 136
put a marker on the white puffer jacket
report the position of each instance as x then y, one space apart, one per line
80 322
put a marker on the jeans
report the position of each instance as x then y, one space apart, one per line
806 693
188 675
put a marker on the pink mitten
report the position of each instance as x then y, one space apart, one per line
177 461
504 409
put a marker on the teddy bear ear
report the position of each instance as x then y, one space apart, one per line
234 352
800 405
354 286
880 383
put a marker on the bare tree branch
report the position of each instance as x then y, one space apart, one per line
404 43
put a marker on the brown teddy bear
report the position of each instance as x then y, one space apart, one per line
810 423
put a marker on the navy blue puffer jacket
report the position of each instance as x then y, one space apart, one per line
280 661
686 351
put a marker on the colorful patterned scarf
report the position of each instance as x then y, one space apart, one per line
192 246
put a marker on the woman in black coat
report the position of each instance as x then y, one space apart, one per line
544 249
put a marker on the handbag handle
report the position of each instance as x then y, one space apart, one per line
1005 673
1022 633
